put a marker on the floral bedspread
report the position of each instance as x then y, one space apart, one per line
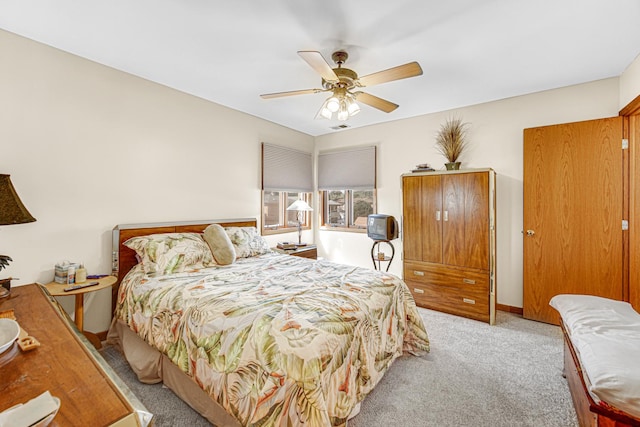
277 339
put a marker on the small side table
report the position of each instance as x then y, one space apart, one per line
57 290
307 251
378 256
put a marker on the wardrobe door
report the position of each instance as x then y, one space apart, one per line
422 222
432 218
476 219
412 218
453 238
573 212
465 221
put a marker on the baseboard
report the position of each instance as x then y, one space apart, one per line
509 309
103 335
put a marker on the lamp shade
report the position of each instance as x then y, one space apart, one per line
12 211
299 205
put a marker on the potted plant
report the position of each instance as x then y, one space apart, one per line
5 284
451 141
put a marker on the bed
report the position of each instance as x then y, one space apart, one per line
602 344
267 339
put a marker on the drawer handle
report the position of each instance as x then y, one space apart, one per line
418 291
469 281
418 273
468 301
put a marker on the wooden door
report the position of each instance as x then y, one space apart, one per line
631 114
634 207
422 201
573 201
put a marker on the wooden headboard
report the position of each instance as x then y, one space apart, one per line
124 259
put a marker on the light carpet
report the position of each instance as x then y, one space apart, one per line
509 374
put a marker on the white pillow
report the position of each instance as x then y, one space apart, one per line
220 244
167 253
247 242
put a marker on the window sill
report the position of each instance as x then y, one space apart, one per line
344 229
269 231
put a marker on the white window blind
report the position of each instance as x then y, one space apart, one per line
286 169
352 169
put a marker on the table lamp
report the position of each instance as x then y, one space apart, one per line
12 211
299 206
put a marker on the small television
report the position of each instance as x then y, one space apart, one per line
382 227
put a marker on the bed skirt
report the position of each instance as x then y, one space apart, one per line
152 367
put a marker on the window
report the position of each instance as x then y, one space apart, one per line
347 183
276 217
286 177
347 208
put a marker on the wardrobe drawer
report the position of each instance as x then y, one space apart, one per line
468 302
472 280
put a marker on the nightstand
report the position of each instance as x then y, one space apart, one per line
57 290
308 251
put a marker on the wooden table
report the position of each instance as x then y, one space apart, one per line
307 251
66 365
57 290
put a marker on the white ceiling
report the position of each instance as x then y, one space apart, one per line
230 52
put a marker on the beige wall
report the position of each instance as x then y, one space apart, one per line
496 142
630 83
89 147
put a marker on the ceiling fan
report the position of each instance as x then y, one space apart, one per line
343 83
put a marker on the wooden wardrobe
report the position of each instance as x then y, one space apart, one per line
449 241
581 209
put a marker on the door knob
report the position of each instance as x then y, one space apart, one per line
530 232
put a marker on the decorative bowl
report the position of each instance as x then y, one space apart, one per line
9 332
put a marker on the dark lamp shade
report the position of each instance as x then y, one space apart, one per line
12 211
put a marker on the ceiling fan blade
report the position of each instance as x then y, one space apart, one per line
411 69
375 102
318 63
290 93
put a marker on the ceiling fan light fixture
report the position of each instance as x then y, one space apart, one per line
342 103
324 112
352 107
332 104
342 81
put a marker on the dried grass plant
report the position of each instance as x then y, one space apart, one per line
451 139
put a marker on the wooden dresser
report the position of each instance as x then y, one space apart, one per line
449 241
66 365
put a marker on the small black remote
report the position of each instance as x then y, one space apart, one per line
84 285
